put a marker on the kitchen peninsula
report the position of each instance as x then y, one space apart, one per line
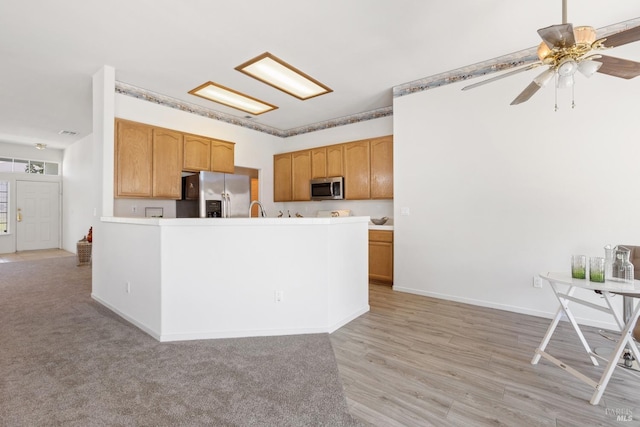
202 278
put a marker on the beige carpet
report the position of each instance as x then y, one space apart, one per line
66 360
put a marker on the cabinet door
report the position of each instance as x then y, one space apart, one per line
222 156
282 177
381 256
334 160
133 164
319 162
300 175
197 153
356 170
382 168
167 164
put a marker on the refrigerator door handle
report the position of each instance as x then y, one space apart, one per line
226 206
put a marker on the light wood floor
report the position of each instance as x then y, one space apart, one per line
419 361
33 255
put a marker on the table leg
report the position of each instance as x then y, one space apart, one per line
564 305
625 339
547 336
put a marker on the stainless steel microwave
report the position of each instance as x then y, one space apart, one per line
327 188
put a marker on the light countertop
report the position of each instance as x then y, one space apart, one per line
385 227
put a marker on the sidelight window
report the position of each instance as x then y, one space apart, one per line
4 207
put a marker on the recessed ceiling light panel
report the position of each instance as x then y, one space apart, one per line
231 98
277 73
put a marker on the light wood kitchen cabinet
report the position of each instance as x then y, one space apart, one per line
133 159
367 168
381 256
319 162
382 167
301 175
197 153
282 177
222 156
334 160
167 164
356 170
326 161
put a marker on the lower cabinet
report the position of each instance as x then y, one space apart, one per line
381 256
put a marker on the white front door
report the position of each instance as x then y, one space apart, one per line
38 215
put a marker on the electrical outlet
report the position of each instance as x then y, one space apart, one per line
127 287
279 295
134 209
537 282
405 211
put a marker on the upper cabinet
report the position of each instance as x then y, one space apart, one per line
381 151
167 164
291 175
282 189
204 154
222 156
149 160
133 159
335 160
319 162
357 170
301 175
197 153
327 161
367 168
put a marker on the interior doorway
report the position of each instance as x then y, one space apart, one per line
37 215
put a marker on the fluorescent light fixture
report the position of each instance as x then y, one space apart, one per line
277 73
231 98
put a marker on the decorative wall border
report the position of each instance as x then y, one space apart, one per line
502 63
167 101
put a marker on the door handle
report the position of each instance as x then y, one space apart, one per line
19 215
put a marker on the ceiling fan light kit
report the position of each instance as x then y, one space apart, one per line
566 49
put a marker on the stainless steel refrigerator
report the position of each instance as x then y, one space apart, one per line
232 191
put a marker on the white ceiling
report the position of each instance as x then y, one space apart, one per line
360 48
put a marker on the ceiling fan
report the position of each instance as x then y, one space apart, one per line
566 49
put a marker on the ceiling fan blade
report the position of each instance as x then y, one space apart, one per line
527 93
618 67
623 37
502 76
559 36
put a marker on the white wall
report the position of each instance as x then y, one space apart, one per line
498 193
78 193
25 152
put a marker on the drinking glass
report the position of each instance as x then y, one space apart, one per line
579 266
596 269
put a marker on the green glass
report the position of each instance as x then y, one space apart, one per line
596 269
579 266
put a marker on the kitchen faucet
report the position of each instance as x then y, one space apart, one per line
261 211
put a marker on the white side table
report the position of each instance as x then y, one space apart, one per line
563 286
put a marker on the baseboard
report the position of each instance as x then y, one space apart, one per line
347 319
514 309
239 334
129 319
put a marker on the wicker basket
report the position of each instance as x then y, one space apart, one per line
84 252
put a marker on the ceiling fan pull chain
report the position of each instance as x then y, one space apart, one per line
573 96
